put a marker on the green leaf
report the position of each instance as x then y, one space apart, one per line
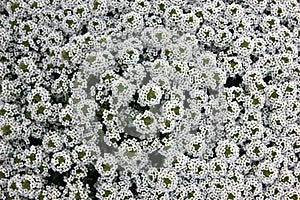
121 88
255 101
41 110
142 4
80 11
65 55
27 28
286 179
228 152
130 154
147 120
196 146
259 86
107 193
61 159
37 98
176 110
151 95
233 11
229 109
107 77
2 112
110 117
273 39
162 7
223 35
17 160
26 43
26 185
274 95
190 20
177 68
234 178
167 123
159 37
67 118
233 63
251 118
167 52
51 144
267 173
23 67
6 130
167 181
2 175
271 22
174 162
172 12
13 186
285 59
14 6
199 14
190 195
218 168
254 131
295 197
230 196
91 59
32 157
27 115
95 5
81 154
130 19
256 151
289 89
245 44
106 167
77 196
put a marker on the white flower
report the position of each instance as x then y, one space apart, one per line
174 109
82 154
267 172
206 34
107 166
195 145
167 180
227 150
172 15
61 161
234 11
150 94
253 186
256 150
217 167
146 123
244 45
189 22
133 21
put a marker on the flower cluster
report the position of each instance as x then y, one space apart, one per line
146 99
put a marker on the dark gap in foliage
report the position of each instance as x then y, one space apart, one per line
91 179
133 189
267 79
84 30
233 81
56 178
35 141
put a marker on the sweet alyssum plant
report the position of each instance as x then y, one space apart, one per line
137 99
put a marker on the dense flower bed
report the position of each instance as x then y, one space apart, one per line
136 99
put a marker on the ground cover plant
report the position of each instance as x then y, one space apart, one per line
136 99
